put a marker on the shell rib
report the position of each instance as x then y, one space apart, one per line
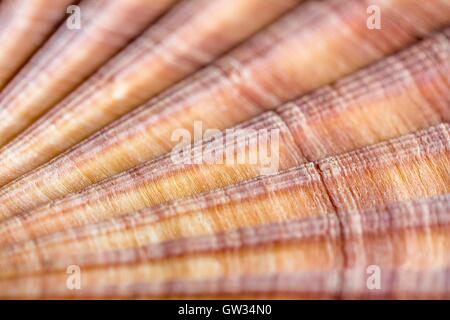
60 66
410 89
239 86
409 167
334 248
191 35
30 20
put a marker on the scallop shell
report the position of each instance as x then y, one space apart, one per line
235 88
19 20
166 51
60 66
356 177
351 181
310 128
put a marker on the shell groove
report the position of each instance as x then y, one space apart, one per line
166 51
310 128
333 240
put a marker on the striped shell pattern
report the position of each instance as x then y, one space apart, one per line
224 149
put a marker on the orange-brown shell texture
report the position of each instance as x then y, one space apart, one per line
224 149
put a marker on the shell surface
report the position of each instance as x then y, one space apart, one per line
225 149
238 86
170 49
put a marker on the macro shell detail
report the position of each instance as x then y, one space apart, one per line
225 149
